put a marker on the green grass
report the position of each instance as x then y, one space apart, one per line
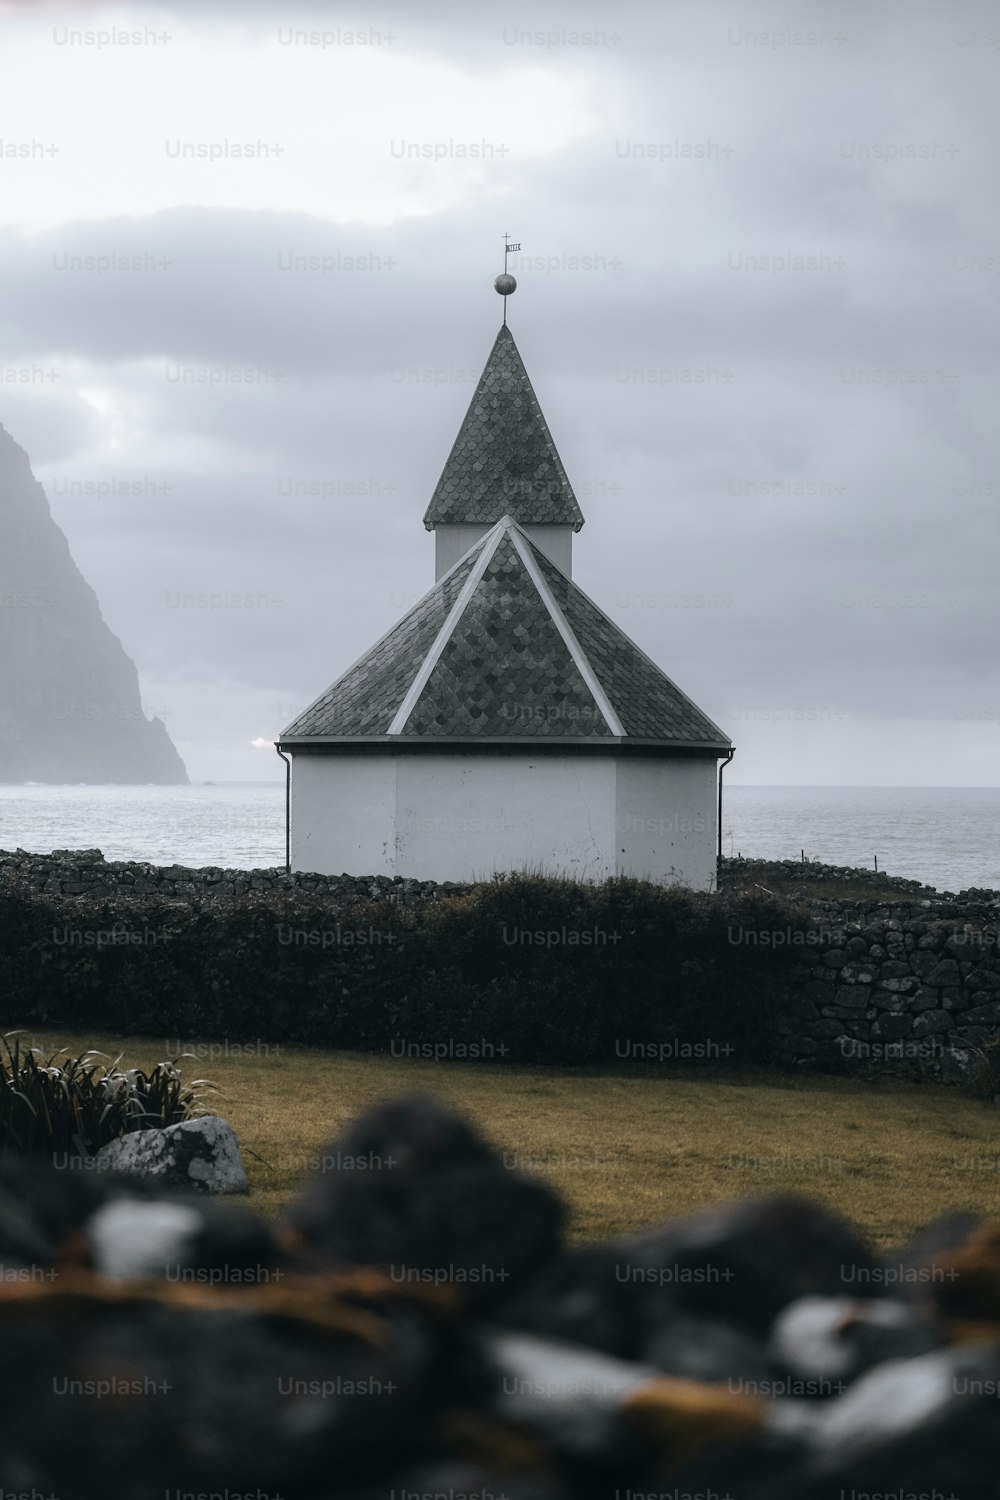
625 1148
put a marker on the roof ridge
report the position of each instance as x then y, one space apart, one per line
635 645
580 659
488 544
438 583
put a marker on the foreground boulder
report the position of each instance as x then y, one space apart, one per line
368 1345
201 1155
413 1188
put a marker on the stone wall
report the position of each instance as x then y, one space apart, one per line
916 978
85 872
906 980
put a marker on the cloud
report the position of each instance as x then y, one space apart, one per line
757 299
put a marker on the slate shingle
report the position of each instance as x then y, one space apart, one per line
506 670
504 461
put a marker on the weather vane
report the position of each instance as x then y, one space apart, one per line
505 283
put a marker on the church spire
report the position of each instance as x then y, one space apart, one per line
503 462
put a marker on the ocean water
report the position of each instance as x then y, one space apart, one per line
239 825
946 836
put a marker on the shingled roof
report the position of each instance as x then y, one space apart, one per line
504 462
506 647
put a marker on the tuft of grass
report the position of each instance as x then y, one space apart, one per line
627 1146
78 1103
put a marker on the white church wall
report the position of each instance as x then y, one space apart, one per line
452 541
454 816
557 544
474 814
341 814
665 820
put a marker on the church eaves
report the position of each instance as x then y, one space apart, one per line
504 462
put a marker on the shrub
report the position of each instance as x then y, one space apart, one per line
652 964
79 1104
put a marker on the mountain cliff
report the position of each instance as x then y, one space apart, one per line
70 707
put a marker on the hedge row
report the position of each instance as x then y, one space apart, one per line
534 970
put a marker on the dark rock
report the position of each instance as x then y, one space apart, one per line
889 1027
854 997
826 1028
820 991
963 1281
922 999
587 1296
932 1021
982 1015
860 973
708 1349
434 1203
975 1035
945 972
166 1390
747 1260
947 1232
982 979
888 1000
901 986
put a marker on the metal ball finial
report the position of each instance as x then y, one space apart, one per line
505 284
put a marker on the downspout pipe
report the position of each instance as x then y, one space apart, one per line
718 852
288 809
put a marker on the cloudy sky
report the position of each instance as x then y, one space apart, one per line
247 255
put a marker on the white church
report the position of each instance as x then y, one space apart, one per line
505 723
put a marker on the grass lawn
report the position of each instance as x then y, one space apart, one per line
625 1148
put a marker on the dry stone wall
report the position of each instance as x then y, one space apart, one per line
85 872
912 979
908 981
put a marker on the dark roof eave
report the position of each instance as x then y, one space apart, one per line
601 744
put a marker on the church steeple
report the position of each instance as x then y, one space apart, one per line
503 463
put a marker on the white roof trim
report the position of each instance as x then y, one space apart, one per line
385 636
489 545
518 537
